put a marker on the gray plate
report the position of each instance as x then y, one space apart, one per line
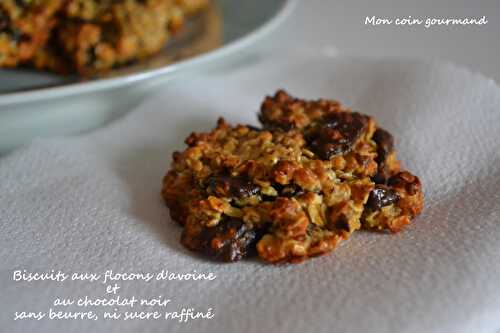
34 104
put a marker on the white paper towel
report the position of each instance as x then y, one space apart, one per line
92 203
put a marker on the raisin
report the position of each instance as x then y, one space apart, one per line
336 133
231 240
385 145
381 196
238 187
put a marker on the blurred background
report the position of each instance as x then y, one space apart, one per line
338 27
330 27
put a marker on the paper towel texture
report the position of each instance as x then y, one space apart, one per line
92 203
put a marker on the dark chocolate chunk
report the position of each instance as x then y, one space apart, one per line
381 196
230 240
23 3
14 33
290 190
238 187
381 176
18 36
336 133
342 224
4 21
385 145
91 56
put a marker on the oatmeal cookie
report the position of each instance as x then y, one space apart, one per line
100 35
190 7
97 36
88 36
290 190
25 26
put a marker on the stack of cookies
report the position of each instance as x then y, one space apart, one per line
87 36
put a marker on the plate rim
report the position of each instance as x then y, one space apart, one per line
112 83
